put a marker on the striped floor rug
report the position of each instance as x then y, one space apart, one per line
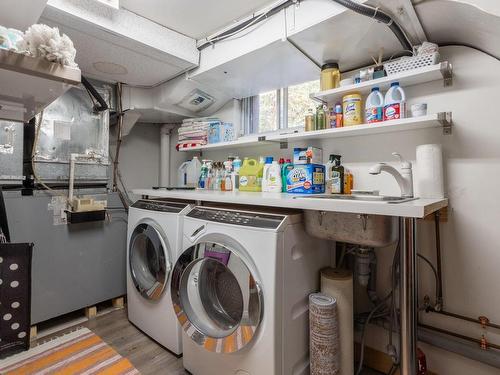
80 352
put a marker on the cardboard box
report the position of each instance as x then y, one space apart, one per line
306 179
309 155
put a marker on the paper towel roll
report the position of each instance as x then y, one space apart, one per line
429 173
337 283
323 335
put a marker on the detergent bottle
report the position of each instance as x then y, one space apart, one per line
267 164
395 103
193 172
374 107
272 180
287 167
251 175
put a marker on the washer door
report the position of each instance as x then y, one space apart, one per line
216 297
148 260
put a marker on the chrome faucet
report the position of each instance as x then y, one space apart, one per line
404 179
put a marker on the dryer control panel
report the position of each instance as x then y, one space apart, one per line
160 206
247 219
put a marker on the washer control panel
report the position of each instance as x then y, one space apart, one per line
160 206
248 219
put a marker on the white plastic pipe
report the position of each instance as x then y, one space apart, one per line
165 133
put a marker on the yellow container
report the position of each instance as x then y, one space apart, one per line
251 173
330 76
352 108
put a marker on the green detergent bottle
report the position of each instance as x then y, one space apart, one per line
287 167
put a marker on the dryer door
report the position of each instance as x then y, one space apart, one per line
216 297
148 260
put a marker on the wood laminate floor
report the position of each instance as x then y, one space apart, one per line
145 354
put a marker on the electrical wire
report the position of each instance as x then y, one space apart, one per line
38 126
370 316
436 277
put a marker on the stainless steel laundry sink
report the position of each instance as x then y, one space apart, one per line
364 230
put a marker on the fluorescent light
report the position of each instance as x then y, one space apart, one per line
112 3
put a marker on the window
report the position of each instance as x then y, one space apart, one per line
267 107
279 109
299 102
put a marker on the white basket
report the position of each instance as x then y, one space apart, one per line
409 63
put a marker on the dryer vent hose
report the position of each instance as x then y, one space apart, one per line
380 16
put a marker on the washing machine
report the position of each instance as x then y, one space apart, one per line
240 291
154 243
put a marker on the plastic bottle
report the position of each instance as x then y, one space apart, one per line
228 176
310 121
267 164
236 173
182 174
395 103
351 108
337 176
374 107
203 175
328 174
272 181
339 118
284 172
251 176
321 118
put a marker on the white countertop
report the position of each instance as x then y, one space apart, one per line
418 208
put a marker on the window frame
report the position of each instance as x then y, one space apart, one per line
250 118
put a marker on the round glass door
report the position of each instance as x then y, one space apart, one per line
216 297
148 261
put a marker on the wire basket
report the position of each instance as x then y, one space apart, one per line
409 63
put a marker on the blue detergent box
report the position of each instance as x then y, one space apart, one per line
306 179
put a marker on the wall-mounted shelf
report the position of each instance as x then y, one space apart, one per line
28 84
442 71
438 120
246 141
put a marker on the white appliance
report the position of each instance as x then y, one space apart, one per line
240 290
154 240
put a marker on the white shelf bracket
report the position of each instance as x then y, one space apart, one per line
446 120
447 72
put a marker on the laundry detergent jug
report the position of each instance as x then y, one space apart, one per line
251 173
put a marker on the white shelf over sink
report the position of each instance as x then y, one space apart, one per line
441 71
438 120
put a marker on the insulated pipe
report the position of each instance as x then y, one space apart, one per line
165 133
380 16
408 295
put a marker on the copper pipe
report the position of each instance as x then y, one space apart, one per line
438 259
479 320
457 335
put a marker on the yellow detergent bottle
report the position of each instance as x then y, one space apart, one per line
251 175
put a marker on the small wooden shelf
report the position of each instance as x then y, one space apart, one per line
442 71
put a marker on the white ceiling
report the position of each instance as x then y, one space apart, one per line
194 18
